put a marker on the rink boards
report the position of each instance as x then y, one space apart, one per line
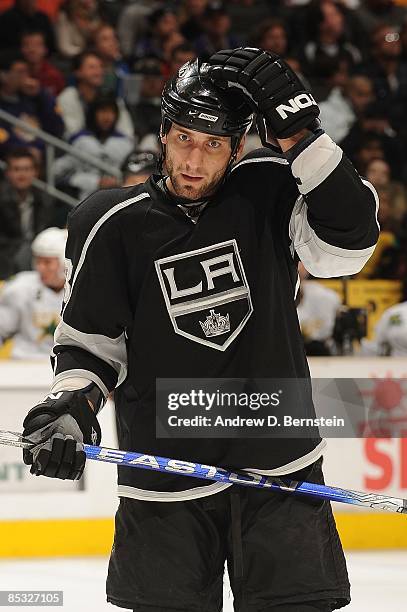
46 517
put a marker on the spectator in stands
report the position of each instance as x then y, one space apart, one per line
22 96
50 8
295 64
191 18
173 41
373 13
132 24
392 260
271 35
333 72
35 52
345 106
24 212
76 25
362 147
378 172
21 17
146 113
179 56
115 69
317 309
162 23
381 263
74 100
327 37
388 72
374 126
385 213
138 167
217 34
31 302
101 140
247 14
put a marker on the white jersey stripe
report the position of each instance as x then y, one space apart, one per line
376 199
255 160
96 228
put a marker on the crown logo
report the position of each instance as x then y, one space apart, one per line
215 324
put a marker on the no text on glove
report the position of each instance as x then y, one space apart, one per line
58 427
270 85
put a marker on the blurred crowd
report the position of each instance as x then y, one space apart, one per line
91 72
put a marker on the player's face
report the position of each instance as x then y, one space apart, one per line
50 271
195 161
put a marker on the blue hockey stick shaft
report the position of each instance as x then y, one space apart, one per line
247 479
210 472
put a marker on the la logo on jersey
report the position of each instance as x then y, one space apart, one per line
206 293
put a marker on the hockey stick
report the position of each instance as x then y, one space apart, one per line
209 472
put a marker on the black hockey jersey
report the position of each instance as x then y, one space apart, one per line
142 277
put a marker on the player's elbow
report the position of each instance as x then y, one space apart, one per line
329 261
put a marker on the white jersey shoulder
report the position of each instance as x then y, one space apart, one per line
391 330
29 314
317 310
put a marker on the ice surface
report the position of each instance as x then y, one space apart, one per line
378 580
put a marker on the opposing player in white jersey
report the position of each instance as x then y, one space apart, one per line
30 303
317 310
390 333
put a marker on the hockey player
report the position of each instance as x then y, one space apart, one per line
30 303
390 336
317 307
147 266
138 167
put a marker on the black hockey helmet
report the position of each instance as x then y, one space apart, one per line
192 100
140 162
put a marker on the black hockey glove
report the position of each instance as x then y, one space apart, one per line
59 427
270 86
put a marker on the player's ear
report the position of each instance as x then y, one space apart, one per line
163 137
240 148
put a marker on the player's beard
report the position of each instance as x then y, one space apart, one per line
205 189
